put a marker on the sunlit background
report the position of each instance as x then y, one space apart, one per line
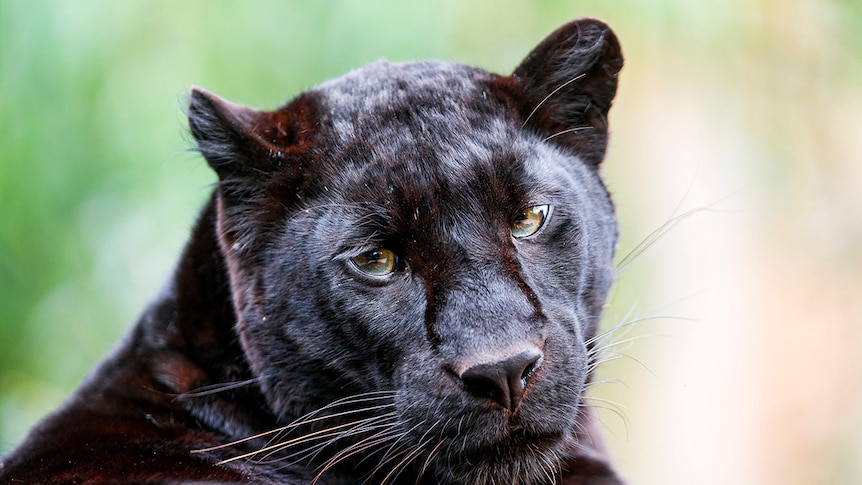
738 128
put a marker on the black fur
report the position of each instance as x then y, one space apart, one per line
269 330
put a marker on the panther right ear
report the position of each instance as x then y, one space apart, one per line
570 80
243 144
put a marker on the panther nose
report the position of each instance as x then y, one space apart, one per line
504 381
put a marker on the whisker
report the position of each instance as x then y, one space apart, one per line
613 407
388 429
428 460
370 442
312 452
555 91
625 326
570 130
236 442
216 388
389 455
300 422
549 469
626 321
309 454
405 461
609 402
626 341
663 229
316 434
309 420
599 362
618 355
592 384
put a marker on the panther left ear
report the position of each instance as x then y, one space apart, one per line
243 144
569 81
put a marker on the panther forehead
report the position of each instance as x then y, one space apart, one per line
442 94
384 82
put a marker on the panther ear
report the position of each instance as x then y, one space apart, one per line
569 80
243 144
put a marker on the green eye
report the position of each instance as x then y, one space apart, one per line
377 262
529 220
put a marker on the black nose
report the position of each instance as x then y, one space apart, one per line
503 381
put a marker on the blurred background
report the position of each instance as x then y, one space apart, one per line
736 134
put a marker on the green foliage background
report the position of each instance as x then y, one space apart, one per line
99 187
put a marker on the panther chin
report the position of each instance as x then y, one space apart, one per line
519 458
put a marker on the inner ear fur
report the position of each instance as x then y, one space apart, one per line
241 143
569 81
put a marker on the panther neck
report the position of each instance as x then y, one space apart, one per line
190 332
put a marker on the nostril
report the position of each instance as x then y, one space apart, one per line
485 386
531 369
504 381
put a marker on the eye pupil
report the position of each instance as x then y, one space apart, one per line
377 262
530 220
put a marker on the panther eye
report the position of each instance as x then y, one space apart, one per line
377 262
530 220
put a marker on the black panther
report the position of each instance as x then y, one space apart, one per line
396 280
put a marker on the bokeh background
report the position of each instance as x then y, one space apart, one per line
737 135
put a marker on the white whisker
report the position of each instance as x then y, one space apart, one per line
570 130
551 94
428 460
216 388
